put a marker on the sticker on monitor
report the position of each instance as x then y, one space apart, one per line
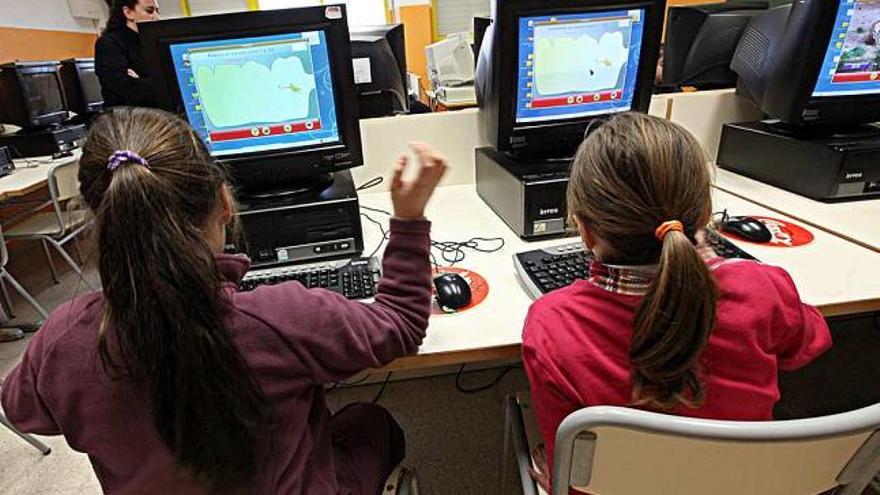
851 65
578 65
258 94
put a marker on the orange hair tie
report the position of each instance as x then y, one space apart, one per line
667 227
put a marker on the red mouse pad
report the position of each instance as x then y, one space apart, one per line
785 234
479 289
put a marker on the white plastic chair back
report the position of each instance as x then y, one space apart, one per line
611 450
64 181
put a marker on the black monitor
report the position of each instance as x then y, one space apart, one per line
81 86
548 68
701 40
379 59
813 63
271 93
30 94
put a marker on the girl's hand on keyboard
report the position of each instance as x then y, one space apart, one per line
410 197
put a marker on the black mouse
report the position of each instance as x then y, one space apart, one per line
453 291
747 228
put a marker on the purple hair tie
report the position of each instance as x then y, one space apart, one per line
124 156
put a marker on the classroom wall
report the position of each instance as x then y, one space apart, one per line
44 29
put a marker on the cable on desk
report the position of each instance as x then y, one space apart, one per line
375 181
382 388
347 384
385 233
376 210
454 252
495 381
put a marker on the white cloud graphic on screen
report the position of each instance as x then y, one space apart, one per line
237 95
578 64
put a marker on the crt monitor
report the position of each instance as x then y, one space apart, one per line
700 41
81 86
548 69
270 93
31 95
379 60
814 63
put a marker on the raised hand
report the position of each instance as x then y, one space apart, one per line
410 197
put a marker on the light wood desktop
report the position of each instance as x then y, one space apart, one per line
29 175
837 276
857 221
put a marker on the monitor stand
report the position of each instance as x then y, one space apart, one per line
826 164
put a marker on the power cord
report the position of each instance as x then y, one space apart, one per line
453 252
481 388
385 233
375 181
382 388
347 384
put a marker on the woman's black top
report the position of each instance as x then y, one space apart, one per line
117 51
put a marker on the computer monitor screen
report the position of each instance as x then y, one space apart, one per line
42 93
91 87
258 94
578 65
852 61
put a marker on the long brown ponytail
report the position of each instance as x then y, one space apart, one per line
164 305
629 177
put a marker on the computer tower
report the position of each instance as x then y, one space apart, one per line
826 168
529 195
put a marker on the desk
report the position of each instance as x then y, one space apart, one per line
857 221
26 179
492 331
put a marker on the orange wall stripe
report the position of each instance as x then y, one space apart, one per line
38 44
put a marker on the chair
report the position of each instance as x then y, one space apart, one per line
611 450
402 481
56 227
5 276
43 448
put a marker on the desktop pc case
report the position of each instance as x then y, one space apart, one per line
6 163
528 195
53 141
306 225
822 168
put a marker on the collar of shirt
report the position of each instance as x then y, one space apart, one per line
630 280
634 280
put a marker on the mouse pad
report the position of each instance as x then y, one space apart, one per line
479 289
785 234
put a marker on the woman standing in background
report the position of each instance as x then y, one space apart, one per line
119 61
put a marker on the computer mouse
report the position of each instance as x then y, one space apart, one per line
453 291
747 228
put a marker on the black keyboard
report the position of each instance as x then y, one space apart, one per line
544 270
353 278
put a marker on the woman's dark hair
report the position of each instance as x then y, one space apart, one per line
630 176
117 14
164 303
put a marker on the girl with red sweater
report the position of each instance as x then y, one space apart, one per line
659 324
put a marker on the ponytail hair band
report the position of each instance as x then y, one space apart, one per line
667 227
125 156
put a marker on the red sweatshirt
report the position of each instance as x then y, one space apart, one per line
576 343
294 339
